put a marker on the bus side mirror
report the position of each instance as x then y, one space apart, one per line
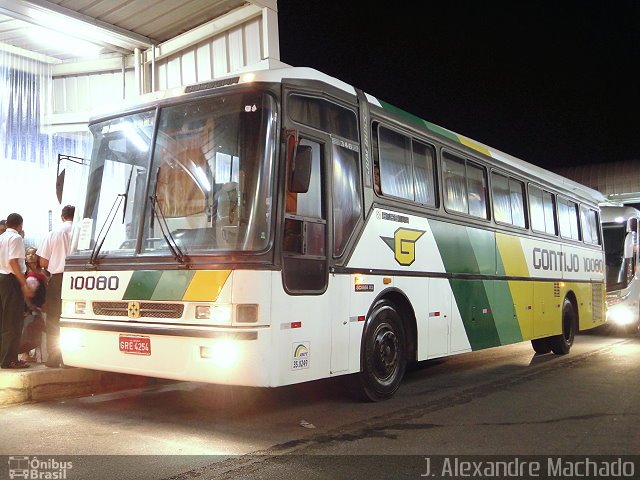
60 173
60 185
301 170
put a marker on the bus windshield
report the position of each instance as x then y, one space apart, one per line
208 188
614 237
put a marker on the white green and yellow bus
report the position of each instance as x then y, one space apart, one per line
282 226
620 227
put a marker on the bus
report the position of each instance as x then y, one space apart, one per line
282 226
620 234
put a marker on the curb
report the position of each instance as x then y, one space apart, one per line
40 384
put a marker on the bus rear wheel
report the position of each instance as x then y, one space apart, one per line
541 345
561 344
383 353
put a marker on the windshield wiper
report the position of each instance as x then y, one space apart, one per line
109 220
164 229
126 195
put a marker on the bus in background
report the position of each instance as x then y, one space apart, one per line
620 231
283 226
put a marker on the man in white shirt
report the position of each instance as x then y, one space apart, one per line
13 292
52 257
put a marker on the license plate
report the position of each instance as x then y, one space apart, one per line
135 344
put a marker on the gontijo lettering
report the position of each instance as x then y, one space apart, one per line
558 261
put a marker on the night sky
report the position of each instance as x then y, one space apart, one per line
552 82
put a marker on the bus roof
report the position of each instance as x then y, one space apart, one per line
617 214
277 72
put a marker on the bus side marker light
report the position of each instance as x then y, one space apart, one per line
247 313
386 280
358 279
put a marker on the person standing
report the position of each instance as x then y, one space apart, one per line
52 255
3 226
13 292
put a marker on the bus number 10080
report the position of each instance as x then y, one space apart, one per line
95 283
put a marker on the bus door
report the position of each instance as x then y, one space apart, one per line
323 204
305 250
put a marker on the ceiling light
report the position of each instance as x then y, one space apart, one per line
57 40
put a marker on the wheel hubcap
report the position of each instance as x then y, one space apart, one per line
386 352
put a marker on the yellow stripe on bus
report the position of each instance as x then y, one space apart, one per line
206 285
510 249
474 145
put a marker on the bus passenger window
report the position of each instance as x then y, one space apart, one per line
508 200
455 188
549 213
396 172
477 191
568 212
542 207
516 190
501 198
465 186
590 230
424 168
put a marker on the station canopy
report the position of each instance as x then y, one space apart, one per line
56 31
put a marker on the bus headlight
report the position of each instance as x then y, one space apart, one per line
203 312
219 314
71 340
223 353
621 315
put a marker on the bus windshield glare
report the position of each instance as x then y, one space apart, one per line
209 187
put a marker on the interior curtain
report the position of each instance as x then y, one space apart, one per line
25 147
24 106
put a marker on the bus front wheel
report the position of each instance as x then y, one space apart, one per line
383 353
561 344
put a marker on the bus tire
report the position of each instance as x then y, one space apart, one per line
384 353
561 344
541 345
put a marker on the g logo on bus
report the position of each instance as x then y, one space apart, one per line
133 309
403 245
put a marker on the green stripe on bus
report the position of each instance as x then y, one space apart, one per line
431 126
455 247
473 304
142 285
172 285
483 244
504 313
443 131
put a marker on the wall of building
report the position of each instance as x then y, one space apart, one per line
44 108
